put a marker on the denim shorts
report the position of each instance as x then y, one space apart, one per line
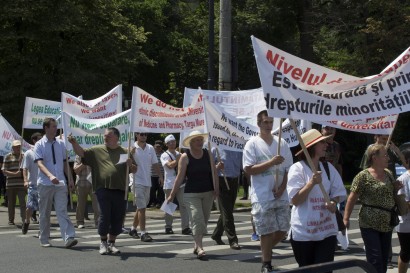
32 198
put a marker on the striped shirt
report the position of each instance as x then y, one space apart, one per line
12 164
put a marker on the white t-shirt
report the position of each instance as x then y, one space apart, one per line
31 166
404 225
144 159
257 151
311 221
169 174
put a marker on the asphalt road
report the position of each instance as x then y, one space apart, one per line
167 253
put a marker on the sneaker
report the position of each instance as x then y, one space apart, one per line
134 234
25 228
34 219
46 244
146 238
266 268
169 231
112 249
11 223
255 237
80 226
218 240
103 248
70 243
390 265
187 231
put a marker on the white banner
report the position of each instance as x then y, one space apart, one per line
105 106
300 89
90 132
225 130
152 115
287 131
36 110
8 134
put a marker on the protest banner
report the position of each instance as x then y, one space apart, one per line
108 105
89 132
8 134
300 89
152 115
36 110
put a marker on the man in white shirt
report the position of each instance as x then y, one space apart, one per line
169 160
30 173
145 157
270 204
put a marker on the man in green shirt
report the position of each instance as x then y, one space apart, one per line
109 184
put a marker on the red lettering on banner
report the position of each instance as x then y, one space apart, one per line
146 99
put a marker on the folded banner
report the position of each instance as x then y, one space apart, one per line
8 134
150 114
108 105
36 110
89 132
300 89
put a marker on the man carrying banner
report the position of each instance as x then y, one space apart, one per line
50 155
109 181
270 205
145 157
227 197
30 173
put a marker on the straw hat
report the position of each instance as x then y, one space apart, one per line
192 135
16 143
310 138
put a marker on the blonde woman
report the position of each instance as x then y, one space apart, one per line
374 186
200 191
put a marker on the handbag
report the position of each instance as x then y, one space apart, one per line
394 216
401 204
339 219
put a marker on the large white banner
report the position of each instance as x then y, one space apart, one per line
230 132
36 110
300 89
90 132
108 105
8 134
152 115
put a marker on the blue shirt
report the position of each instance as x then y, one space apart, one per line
52 160
232 162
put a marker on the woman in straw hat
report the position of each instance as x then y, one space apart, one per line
195 166
313 221
375 187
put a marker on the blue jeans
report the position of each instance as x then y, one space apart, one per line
377 246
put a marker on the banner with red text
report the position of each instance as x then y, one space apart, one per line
300 89
8 134
108 105
152 115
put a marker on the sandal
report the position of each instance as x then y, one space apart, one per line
201 254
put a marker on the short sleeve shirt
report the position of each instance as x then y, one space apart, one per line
404 225
375 193
144 159
53 154
106 173
169 174
31 166
257 151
